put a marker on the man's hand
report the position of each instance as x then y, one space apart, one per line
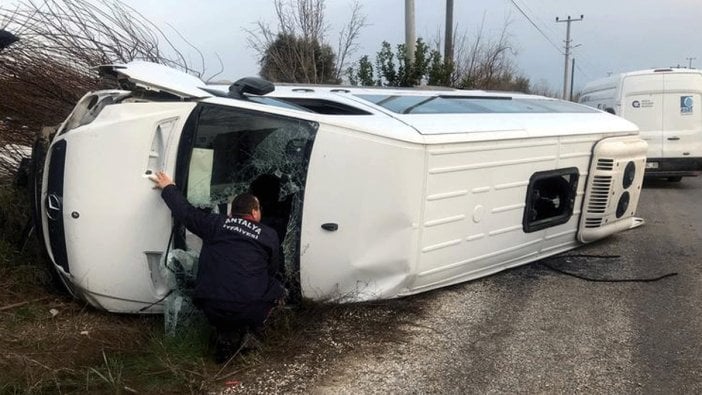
161 179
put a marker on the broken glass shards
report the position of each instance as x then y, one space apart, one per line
180 268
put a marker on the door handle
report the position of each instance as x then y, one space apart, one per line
331 227
673 138
159 143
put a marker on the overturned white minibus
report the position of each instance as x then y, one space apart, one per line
376 193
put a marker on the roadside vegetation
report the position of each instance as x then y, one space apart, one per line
50 343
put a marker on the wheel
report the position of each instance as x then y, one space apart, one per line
675 179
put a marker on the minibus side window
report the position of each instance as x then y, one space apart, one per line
550 198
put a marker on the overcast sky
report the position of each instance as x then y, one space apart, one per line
615 35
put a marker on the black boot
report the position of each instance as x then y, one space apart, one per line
228 344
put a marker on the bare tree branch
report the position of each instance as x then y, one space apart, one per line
348 37
297 50
45 73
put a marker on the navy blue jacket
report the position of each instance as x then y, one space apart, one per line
239 258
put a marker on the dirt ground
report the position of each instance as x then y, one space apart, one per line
530 329
51 343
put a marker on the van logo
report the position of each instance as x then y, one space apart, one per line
53 206
636 104
686 103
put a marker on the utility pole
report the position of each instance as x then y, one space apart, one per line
567 52
572 79
448 40
410 39
689 65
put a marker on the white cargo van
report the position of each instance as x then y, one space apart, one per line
666 105
376 193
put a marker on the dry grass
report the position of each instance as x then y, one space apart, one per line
50 343
78 349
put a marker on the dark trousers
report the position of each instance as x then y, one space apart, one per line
231 326
250 318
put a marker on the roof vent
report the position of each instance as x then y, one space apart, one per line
662 70
252 85
303 90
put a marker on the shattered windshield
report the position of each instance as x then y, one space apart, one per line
234 147
236 151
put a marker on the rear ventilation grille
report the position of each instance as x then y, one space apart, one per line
605 164
599 197
593 222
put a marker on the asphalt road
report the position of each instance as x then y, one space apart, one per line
532 329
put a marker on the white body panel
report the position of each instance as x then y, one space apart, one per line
666 105
420 201
418 217
115 244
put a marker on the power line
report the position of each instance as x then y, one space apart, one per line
536 27
535 14
583 56
535 8
583 71
583 59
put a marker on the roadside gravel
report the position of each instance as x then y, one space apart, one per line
529 329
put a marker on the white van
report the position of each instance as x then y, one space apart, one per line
665 104
376 193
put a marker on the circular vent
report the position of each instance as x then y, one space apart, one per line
623 204
629 175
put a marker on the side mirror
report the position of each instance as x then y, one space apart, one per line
253 85
7 39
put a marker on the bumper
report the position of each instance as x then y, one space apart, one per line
671 167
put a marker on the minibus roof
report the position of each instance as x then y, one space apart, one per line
426 110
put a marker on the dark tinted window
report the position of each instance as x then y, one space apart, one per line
470 104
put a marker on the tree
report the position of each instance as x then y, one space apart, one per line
315 62
487 63
394 69
439 73
480 63
298 51
46 71
364 75
385 61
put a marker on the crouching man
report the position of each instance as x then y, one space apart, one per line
235 285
